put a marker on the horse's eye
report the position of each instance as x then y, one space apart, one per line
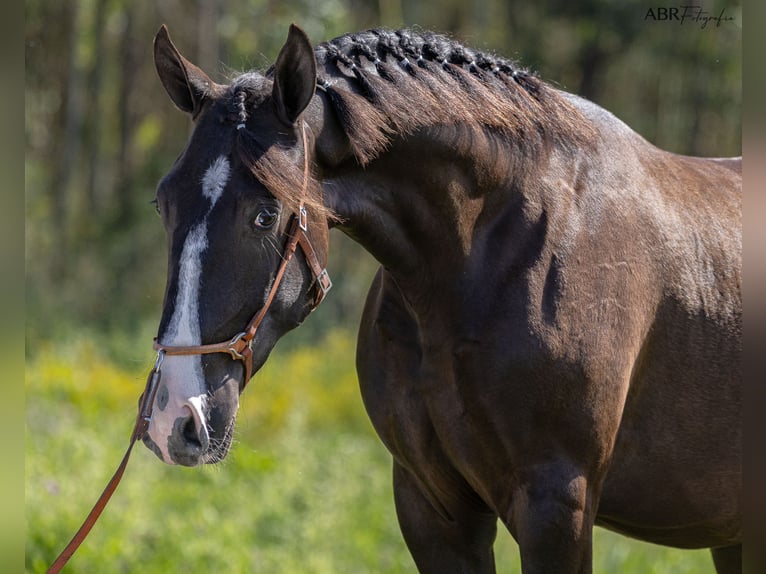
156 205
266 218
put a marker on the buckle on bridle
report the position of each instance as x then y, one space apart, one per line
232 349
158 362
324 282
146 404
303 218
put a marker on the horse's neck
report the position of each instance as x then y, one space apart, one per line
437 205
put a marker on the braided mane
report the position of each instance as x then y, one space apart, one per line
385 83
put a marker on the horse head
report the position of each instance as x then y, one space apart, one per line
236 205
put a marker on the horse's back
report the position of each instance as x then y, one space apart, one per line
733 163
685 211
675 476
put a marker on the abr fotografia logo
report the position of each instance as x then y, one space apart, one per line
686 13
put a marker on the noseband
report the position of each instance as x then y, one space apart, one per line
240 347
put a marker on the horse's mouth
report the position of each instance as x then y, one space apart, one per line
216 451
219 447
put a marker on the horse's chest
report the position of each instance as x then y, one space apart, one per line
461 397
427 408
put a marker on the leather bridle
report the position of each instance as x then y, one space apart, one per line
239 348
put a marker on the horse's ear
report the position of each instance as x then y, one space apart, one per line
184 82
295 76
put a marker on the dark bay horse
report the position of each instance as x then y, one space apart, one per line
554 335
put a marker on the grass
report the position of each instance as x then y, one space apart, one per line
306 488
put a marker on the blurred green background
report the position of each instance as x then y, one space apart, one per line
307 485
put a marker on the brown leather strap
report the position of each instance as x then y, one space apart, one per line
240 346
321 276
78 538
140 427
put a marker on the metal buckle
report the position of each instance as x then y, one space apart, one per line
158 362
303 218
236 355
146 405
324 282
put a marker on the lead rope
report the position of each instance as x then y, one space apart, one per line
139 429
239 348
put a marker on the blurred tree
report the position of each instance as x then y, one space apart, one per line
101 133
92 137
208 41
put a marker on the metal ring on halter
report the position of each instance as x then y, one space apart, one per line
158 362
236 355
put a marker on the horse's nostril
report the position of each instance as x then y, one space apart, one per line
189 440
189 433
194 430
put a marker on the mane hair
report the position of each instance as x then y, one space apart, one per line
385 84
277 165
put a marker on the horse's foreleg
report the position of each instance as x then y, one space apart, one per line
551 517
454 539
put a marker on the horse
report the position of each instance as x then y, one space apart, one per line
553 337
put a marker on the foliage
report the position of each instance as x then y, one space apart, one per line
101 132
306 488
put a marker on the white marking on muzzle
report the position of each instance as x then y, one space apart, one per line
182 375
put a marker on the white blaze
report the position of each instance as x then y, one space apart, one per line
183 328
182 375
